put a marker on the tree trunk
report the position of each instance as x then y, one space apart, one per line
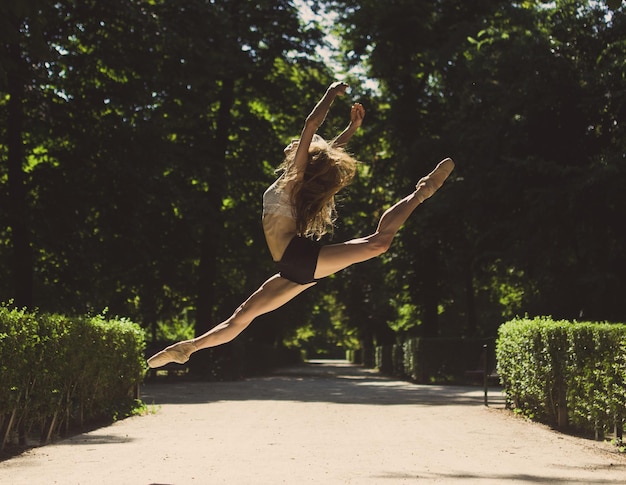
210 244
22 260
470 298
430 292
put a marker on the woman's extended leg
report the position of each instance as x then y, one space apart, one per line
272 294
335 257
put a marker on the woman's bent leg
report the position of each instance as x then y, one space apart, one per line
336 257
272 294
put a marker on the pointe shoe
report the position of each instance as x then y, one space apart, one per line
178 353
427 186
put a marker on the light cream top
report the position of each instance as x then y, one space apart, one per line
277 201
279 221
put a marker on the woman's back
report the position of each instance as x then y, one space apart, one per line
279 222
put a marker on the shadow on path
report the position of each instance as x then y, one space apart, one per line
500 478
318 381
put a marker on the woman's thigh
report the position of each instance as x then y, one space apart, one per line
272 294
335 257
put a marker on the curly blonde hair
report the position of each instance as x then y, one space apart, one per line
328 170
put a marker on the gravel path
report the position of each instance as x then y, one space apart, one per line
326 423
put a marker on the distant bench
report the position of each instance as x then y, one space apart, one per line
485 371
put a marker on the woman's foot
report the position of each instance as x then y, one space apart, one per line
178 353
428 185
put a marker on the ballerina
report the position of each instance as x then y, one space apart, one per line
298 209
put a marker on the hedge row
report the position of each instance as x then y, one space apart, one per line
58 372
427 360
565 373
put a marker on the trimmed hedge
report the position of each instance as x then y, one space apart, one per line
431 360
57 372
565 373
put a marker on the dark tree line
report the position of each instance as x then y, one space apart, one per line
529 99
136 139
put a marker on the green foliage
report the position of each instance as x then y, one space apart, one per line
148 131
525 97
176 329
564 372
58 372
324 332
431 360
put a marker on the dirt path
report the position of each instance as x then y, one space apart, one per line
326 423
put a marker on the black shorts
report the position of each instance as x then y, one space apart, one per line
300 260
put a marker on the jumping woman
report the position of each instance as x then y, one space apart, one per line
298 208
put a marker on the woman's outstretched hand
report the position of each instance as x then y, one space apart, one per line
357 113
338 88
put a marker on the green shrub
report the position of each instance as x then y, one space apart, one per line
57 371
384 359
565 373
431 360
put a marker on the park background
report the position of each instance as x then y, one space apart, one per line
136 139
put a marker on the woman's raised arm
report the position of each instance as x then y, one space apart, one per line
357 113
313 122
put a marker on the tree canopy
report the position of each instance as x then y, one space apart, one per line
136 139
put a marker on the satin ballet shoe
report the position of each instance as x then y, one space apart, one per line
178 353
428 185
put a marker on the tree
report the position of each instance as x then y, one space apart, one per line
512 92
409 47
233 72
154 142
533 77
20 57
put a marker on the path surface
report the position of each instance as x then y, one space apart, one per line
324 423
